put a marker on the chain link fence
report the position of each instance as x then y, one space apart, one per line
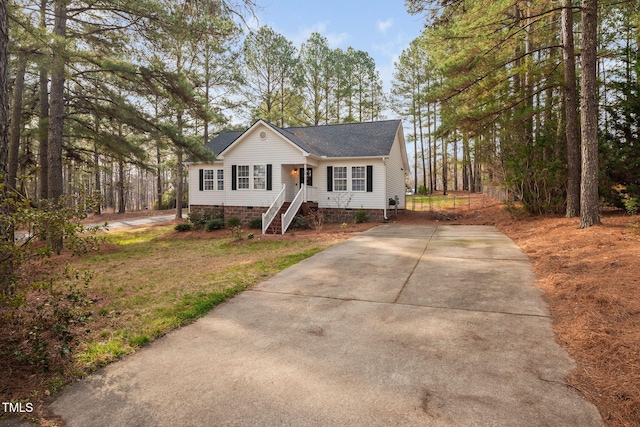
455 201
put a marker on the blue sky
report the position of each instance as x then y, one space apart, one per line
383 28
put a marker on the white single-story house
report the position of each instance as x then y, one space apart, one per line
275 173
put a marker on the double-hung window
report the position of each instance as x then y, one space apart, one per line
208 180
243 177
220 179
259 177
340 178
358 178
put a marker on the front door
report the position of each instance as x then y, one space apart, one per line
308 174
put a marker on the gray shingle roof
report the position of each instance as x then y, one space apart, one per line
344 140
222 141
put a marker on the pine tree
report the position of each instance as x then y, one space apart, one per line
589 196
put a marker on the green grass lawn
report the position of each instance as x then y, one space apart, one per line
148 283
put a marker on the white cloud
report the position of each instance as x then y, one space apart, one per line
383 26
334 39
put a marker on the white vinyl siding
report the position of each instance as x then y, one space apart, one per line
198 197
396 174
252 150
349 198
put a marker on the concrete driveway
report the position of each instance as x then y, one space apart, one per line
399 326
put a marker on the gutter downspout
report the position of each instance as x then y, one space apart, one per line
384 162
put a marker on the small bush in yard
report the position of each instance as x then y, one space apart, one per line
256 223
317 219
237 232
360 217
184 226
631 205
214 224
234 221
197 219
301 221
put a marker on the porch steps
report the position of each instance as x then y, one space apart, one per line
276 225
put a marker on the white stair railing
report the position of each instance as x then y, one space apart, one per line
288 216
270 214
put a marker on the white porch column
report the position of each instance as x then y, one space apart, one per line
304 180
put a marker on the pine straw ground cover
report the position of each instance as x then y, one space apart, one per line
590 278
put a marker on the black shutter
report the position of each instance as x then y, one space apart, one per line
369 178
234 174
201 180
269 177
329 178
301 176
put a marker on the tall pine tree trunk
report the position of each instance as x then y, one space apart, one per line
97 189
121 186
6 231
179 172
455 162
43 133
434 150
431 164
4 89
159 177
466 166
56 121
415 148
444 165
207 84
43 123
571 113
15 127
424 164
589 198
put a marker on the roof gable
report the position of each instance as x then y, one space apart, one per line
225 141
368 139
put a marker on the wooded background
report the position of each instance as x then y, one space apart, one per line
109 97
540 97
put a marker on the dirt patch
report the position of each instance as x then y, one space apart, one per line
589 277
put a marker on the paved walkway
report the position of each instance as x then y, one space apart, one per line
399 326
